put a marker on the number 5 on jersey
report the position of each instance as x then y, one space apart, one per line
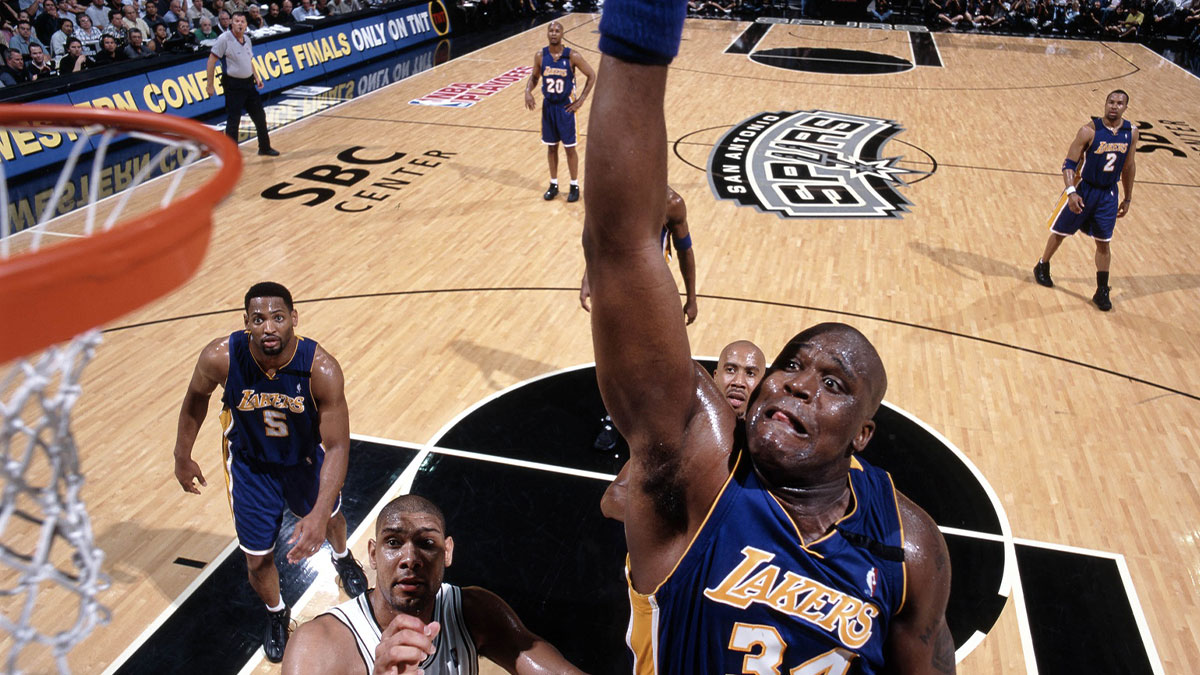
764 652
275 422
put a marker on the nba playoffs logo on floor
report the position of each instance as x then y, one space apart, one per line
810 164
467 94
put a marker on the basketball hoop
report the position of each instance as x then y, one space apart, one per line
61 291
95 267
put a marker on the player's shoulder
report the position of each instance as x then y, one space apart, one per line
925 553
488 618
918 525
322 645
216 353
479 603
323 361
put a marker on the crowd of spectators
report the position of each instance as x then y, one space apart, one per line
46 38
1107 19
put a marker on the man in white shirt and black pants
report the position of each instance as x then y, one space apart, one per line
240 81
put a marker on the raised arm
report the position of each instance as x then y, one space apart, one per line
647 379
643 362
533 80
211 370
578 62
1127 174
919 641
328 388
501 637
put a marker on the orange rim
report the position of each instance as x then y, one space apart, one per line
51 295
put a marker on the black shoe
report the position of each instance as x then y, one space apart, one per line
551 193
573 194
1101 299
354 582
276 635
1041 273
268 152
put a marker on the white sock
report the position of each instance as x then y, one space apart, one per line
574 183
343 554
277 608
554 182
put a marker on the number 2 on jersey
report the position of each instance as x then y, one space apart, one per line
764 652
1112 161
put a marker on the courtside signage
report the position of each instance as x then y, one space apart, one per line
811 164
467 94
284 62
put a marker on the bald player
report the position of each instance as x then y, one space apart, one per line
428 624
739 369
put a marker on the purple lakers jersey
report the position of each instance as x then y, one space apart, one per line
270 419
750 596
558 78
1106 155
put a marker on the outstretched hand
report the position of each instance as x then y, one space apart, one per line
307 537
404 644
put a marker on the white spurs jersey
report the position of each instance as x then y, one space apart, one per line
455 653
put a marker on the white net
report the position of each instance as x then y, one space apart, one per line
50 566
39 465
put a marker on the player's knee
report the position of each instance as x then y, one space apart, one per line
259 563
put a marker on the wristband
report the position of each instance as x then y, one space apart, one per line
642 31
682 244
1071 190
1069 164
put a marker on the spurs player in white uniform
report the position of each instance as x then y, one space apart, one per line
412 620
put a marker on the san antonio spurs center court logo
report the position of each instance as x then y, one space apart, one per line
811 164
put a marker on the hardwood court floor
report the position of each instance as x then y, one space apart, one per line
462 282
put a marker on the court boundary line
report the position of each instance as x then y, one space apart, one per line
753 301
842 42
936 164
170 609
1185 70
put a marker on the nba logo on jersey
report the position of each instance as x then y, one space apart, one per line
872 581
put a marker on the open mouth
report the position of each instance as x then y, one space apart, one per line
785 417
